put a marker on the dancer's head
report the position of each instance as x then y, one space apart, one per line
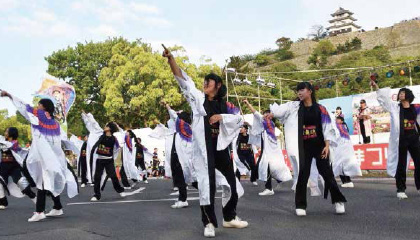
338 110
244 129
47 105
11 133
362 103
405 94
267 114
339 120
131 134
305 91
185 116
214 87
111 128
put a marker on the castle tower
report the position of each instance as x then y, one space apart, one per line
342 22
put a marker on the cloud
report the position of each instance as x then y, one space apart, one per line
7 5
144 8
103 30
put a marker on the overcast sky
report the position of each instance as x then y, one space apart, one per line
31 30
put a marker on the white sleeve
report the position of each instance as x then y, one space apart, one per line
91 124
193 96
229 129
384 98
282 111
172 114
26 110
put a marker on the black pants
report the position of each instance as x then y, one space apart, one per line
411 145
109 167
268 183
224 164
363 131
178 176
249 162
14 170
345 179
325 171
124 179
83 170
40 201
140 163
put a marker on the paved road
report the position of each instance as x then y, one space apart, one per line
373 212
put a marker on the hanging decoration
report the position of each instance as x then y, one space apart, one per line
389 74
404 71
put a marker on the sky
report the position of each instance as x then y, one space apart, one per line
31 30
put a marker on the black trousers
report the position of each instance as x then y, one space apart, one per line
140 163
83 170
268 183
412 146
178 176
13 169
224 164
345 179
124 179
40 201
325 171
249 162
363 131
109 167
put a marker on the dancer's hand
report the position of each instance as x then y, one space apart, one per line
325 152
166 53
374 84
245 101
5 94
215 118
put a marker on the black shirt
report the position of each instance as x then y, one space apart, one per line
83 150
409 124
213 108
139 152
243 147
312 134
106 146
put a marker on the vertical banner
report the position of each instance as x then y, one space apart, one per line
62 94
346 106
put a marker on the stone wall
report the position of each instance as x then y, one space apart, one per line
402 39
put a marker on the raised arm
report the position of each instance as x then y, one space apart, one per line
91 124
27 111
383 96
250 107
172 113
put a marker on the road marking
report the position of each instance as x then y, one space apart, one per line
133 201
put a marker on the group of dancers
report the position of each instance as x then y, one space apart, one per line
209 147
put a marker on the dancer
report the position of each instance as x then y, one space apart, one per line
181 154
271 162
11 165
344 163
46 161
214 127
82 163
102 154
315 133
364 123
404 136
243 154
129 169
141 152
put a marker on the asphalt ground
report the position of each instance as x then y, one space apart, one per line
372 212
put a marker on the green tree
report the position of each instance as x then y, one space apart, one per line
23 127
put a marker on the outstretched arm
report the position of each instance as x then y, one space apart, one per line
172 63
250 107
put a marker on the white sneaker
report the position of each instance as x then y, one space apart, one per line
94 199
55 213
402 195
127 188
82 185
209 231
92 185
180 204
176 189
266 192
37 217
235 223
145 181
347 185
123 194
300 212
255 183
315 192
2 207
339 208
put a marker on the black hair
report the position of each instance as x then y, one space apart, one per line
363 101
266 111
132 135
307 85
185 116
113 126
221 93
409 96
48 106
13 133
341 118
245 126
338 108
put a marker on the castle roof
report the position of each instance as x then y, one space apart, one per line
341 11
342 18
